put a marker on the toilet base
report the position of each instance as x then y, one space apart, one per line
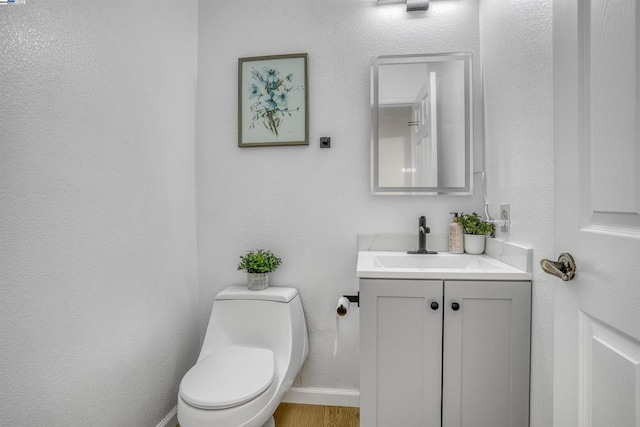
270 423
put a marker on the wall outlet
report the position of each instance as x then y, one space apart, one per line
505 215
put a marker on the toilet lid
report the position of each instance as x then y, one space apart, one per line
229 376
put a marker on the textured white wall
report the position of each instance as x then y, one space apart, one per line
516 45
306 203
97 226
98 278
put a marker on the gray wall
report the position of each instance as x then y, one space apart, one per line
517 64
98 278
308 204
99 296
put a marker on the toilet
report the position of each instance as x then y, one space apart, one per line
254 347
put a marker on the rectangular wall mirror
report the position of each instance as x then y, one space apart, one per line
421 124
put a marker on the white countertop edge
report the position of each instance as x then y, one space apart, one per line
446 275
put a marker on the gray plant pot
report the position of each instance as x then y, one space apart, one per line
257 281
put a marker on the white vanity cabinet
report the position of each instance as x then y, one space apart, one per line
448 353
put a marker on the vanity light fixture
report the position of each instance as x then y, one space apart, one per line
412 5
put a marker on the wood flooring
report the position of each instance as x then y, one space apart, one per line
296 415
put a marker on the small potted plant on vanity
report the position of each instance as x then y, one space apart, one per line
258 264
475 232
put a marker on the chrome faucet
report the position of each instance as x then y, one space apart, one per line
423 230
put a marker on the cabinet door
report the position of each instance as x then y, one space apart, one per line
400 352
486 354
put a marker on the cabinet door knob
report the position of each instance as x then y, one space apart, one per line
434 305
455 306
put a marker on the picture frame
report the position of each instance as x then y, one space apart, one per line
273 100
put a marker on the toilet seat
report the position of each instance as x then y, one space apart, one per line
228 377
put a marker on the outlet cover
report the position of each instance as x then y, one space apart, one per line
505 215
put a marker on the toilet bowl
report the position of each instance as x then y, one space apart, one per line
254 347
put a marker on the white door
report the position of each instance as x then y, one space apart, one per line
597 193
424 135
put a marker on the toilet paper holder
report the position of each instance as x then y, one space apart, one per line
341 310
353 298
344 302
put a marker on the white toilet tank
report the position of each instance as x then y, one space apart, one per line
271 318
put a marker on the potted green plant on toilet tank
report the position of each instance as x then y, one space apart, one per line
258 264
475 232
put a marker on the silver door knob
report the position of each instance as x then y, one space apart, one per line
564 268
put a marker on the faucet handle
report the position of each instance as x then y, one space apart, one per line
422 225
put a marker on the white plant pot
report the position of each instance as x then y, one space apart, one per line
257 281
474 243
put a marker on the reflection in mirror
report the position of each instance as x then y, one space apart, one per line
421 124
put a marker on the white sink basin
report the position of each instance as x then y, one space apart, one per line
401 265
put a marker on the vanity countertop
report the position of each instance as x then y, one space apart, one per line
401 265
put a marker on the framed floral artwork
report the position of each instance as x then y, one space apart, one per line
273 100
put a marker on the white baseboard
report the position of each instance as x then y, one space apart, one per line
171 420
323 396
